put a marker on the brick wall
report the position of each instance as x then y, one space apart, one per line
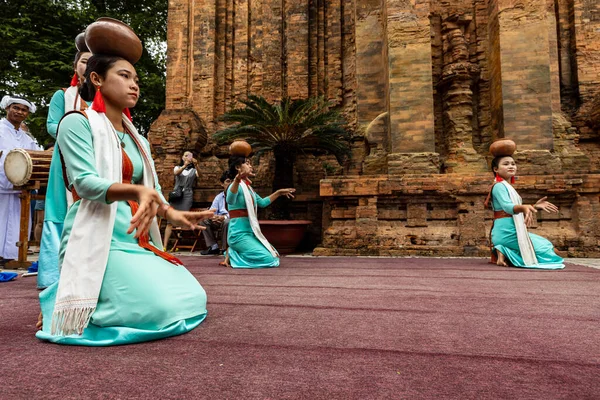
443 215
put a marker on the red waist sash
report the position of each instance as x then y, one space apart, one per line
238 213
501 214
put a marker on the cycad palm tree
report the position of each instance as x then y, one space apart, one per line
287 128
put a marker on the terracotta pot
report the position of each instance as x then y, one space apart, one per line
111 36
503 147
80 42
240 148
285 236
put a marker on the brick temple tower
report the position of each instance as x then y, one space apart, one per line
425 86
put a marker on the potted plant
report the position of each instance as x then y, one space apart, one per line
287 128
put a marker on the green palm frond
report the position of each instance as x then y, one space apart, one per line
293 126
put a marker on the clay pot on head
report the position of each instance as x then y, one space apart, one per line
113 37
80 42
503 147
240 148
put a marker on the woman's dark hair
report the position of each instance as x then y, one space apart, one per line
100 64
77 57
235 161
496 162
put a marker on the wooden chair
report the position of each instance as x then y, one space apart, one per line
186 239
191 240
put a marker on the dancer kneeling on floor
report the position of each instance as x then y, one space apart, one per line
511 243
115 286
248 248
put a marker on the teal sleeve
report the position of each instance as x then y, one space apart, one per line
502 199
55 112
156 182
232 197
262 203
76 145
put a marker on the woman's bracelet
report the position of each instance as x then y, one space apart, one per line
165 208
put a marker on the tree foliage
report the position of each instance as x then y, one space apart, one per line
288 127
37 47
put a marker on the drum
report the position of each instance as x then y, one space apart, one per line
23 166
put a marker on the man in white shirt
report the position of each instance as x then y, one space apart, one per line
220 220
12 137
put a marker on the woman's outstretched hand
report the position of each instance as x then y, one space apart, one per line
149 200
542 204
528 212
189 219
289 193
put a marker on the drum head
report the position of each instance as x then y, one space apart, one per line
18 167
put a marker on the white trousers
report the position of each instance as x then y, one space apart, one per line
10 217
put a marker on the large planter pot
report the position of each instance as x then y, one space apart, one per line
285 236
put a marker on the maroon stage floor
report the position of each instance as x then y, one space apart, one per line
337 328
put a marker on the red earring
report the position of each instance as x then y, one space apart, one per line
75 80
498 179
127 114
98 103
512 180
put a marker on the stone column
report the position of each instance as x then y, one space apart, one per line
553 55
296 48
372 83
586 23
240 51
189 102
202 49
458 77
411 111
587 38
520 72
272 36
179 41
255 61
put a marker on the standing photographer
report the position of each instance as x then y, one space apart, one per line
182 196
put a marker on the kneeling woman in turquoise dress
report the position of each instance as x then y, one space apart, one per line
248 248
116 286
511 243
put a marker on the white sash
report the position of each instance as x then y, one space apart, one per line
525 245
86 254
72 99
252 207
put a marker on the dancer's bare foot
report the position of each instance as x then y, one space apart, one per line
38 325
225 262
501 260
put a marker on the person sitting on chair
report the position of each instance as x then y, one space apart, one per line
220 220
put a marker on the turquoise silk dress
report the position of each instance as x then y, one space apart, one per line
504 236
245 250
56 202
143 297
